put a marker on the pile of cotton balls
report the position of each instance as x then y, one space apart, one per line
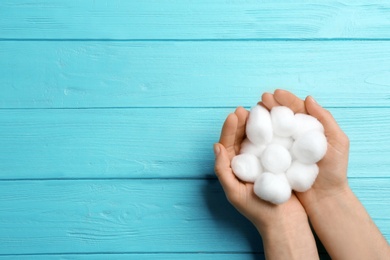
280 152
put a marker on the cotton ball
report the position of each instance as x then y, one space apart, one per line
310 147
306 123
248 147
276 158
301 176
259 125
272 187
286 142
283 121
246 167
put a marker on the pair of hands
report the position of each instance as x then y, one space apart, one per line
331 180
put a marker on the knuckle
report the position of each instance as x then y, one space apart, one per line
232 198
346 140
217 169
327 113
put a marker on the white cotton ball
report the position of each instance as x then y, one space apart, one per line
301 176
248 147
246 167
283 121
272 187
286 142
306 123
259 126
276 158
310 147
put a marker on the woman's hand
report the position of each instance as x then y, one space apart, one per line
284 228
339 219
332 177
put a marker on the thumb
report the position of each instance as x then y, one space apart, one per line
324 116
222 168
334 134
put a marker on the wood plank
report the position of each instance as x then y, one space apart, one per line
183 74
146 256
140 216
120 216
219 19
151 143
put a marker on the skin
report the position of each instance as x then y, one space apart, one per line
337 216
279 225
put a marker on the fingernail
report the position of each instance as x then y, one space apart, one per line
313 100
217 150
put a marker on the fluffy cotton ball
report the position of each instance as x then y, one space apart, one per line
286 142
301 176
248 147
283 121
276 158
259 126
310 147
274 139
306 123
272 187
246 167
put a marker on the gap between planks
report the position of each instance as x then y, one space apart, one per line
195 40
170 107
155 179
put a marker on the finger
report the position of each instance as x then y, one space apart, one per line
323 115
242 115
268 101
228 134
285 98
223 170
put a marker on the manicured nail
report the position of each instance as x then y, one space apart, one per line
217 150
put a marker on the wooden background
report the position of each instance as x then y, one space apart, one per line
109 110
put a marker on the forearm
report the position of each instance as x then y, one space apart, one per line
289 240
346 229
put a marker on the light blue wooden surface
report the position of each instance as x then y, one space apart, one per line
194 19
109 109
80 74
151 142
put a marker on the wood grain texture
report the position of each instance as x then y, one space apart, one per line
109 109
219 19
121 216
149 216
152 143
144 256
182 74
148 256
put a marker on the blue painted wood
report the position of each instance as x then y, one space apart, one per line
146 256
152 143
188 19
187 74
151 59
150 216
151 256
121 216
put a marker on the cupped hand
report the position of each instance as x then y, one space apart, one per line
262 214
332 177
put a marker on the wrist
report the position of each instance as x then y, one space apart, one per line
315 199
339 221
284 217
289 238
